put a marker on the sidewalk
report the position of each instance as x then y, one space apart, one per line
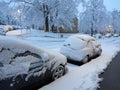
111 76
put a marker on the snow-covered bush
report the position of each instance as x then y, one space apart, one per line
8 28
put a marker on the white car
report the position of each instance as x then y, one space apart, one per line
98 36
108 35
116 35
81 47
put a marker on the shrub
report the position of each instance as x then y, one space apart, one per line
8 28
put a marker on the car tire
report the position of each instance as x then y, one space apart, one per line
85 60
99 52
58 72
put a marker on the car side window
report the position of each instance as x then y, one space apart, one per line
25 56
10 55
5 55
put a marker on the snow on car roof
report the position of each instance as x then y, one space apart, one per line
83 36
14 43
17 44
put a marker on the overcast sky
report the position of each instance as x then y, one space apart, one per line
112 4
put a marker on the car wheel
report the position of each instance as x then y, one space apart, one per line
58 72
99 52
85 60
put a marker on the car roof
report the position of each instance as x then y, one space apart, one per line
14 43
84 37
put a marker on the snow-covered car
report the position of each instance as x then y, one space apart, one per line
108 35
81 48
116 35
15 27
23 65
2 31
98 36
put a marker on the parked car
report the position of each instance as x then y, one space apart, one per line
116 35
81 48
98 36
2 31
108 35
15 27
25 66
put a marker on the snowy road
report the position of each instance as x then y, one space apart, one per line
112 74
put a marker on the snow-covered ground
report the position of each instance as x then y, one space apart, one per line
85 77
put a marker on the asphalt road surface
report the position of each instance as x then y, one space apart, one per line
111 76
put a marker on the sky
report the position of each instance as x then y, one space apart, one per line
109 4
112 4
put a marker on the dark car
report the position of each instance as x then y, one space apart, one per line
25 66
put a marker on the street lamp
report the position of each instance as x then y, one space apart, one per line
19 11
20 17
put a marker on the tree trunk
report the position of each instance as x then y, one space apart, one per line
46 16
46 24
92 31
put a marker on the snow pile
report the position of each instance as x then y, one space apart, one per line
16 32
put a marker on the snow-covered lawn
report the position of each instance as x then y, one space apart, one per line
85 77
